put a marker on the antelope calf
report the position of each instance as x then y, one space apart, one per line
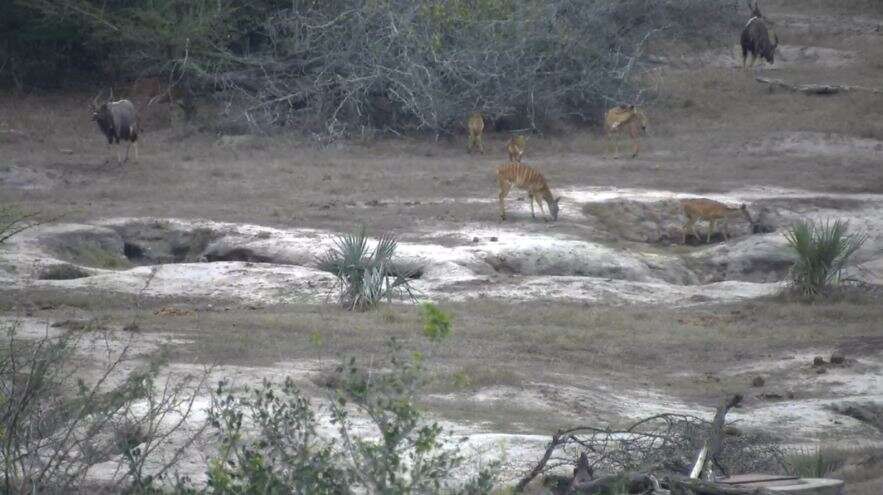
627 118
528 179
712 211
117 120
476 127
515 148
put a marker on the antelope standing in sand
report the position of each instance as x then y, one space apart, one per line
755 38
712 211
476 127
524 177
117 121
515 148
627 118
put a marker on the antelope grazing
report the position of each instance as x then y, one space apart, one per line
515 148
524 177
628 118
756 38
476 127
712 211
117 121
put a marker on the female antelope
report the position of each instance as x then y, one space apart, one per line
624 118
712 211
524 177
476 127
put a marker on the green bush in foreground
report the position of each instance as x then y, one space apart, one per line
823 253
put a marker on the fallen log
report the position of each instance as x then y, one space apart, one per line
815 89
679 485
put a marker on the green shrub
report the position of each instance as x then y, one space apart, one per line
436 323
365 277
823 253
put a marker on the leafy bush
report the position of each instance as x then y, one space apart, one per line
365 277
823 253
270 441
436 323
284 455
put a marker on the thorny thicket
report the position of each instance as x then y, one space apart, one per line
346 67
57 426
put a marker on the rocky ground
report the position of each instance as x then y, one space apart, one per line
211 244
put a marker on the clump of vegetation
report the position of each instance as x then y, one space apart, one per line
436 323
340 68
824 251
365 277
270 443
55 427
62 272
14 221
816 463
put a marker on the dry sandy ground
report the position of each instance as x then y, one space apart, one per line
597 318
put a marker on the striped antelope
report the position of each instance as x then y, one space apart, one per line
476 127
712 211
515 148
524 177
628 118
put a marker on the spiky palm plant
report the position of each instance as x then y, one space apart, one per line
366 277
823 252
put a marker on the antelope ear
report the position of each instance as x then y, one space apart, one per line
557 199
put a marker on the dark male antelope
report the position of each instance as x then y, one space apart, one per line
476 127
118 121
524 177
712 211
515 148
627 118
756 38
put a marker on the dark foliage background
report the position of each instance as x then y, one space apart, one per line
336 67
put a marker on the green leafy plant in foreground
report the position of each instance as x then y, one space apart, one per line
365 277
823 253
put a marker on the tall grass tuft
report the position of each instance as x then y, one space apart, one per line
820 462
823 252
366 277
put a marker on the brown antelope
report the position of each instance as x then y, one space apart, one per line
515 148
117 121
628 118
756 38
524 177
712 211
476 127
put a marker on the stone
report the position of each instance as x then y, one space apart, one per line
837 358
818 361
758 381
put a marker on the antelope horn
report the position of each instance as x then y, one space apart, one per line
95 101
111 94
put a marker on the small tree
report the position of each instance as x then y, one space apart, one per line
823 253
365 277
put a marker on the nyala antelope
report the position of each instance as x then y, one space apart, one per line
515 148
476 127
117 121
624 118
528 179
756 38
712 211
